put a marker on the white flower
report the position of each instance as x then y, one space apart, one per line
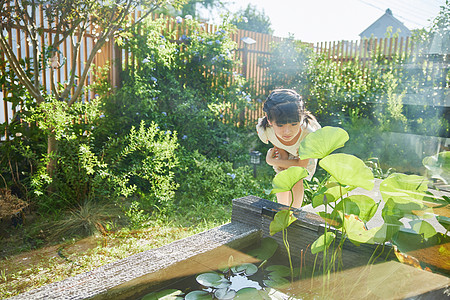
179 19
188 17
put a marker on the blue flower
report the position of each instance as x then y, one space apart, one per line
179 19
153 79
164 113
102 116
232 175
146 60
168 132
209 42
218 42
184 137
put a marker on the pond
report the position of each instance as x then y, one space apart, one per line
252 275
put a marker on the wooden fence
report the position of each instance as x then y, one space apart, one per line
248 54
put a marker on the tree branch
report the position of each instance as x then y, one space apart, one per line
18 70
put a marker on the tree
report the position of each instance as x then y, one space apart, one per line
68 20
252 19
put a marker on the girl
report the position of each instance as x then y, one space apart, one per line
285 125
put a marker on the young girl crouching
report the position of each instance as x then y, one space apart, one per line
285 125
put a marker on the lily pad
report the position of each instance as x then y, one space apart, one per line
210 279
224 294
266 250
348 170
252 294
322 142
277 282
248 269
198 295
169 294
281 221
279 270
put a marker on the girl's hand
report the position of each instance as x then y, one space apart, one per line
274 155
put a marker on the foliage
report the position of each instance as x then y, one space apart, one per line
183 85
405 196
212 180
141 161
252 19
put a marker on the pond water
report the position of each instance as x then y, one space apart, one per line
271 279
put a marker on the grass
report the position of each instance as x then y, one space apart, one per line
23 269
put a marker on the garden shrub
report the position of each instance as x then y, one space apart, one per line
183 84
213 181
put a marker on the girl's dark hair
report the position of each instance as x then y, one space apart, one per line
285 106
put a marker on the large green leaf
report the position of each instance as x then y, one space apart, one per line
279 270
348 170
360 205
266 250
404 189
322 242
322 142
332 194
211 279
357 232
198 295
423 228
285 180
281 221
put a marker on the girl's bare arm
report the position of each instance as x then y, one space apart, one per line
280 158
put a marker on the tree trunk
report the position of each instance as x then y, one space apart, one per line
52 147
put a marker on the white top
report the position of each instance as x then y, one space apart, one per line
268 135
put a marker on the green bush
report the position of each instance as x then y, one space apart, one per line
213 181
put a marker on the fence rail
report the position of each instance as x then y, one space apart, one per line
248 54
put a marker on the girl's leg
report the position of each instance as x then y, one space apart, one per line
286 198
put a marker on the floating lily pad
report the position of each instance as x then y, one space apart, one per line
252 294
266 250
279 270
248 269
277 282
169 294
198 295
224 294
210 279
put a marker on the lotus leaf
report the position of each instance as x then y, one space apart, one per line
360 205
281 221
322 242
349 170
404 189
322 142
285 180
